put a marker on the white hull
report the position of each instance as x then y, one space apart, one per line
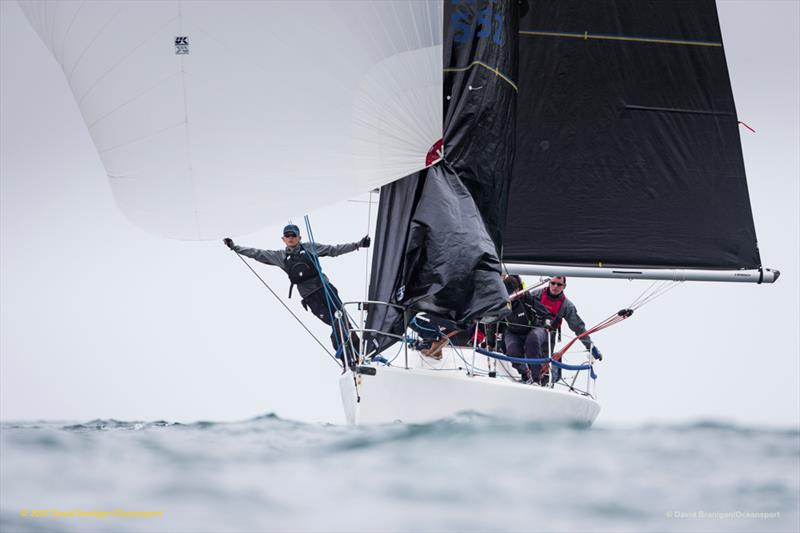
422 393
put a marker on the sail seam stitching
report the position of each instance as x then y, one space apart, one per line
186 130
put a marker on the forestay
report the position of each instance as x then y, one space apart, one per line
216 118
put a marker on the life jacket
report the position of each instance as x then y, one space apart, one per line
519 320
553 306
300 266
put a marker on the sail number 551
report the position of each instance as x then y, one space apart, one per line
487 23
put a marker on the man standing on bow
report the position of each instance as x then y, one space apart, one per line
550 307
301 263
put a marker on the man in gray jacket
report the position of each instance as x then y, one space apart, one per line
300 262
550 307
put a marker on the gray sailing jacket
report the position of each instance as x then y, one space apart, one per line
278 258
567 311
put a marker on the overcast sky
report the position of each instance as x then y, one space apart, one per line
101 320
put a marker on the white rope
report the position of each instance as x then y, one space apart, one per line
655 290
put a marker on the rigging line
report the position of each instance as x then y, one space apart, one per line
366 261
656 289
668 286
328 298
469 366
641 295
659 289
343 318
333 297
399 351
507 371
746 126
608 322
287 308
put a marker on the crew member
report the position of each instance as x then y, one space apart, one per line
434 333
518 337
550 307
300 262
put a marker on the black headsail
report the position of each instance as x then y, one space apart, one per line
628 149
439 230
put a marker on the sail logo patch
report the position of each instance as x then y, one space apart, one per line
182 45
470 22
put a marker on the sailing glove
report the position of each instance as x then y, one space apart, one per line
228 242
364 242
596 353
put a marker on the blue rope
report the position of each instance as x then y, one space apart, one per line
328 297
424 328
542 361
315 257
513 359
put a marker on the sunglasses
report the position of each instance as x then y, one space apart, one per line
556 283
290 235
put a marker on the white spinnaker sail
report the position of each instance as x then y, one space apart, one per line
277 108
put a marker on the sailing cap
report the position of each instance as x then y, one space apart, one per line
291 228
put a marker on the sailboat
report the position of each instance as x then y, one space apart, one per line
468 115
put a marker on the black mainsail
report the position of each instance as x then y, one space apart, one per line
588 134
628 140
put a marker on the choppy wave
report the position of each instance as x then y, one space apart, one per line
465 473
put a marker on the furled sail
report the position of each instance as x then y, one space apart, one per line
434 241
216 118
628 149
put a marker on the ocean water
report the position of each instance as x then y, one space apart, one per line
468 473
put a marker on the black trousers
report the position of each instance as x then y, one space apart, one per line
317 303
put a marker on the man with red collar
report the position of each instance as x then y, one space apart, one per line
551 307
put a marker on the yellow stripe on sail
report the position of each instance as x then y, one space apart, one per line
586 36
487 67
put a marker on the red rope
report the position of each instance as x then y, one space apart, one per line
746 126
616 318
